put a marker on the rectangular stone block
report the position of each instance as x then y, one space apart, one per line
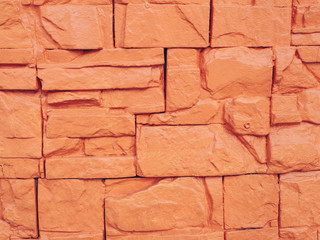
240 23
251 201
168 24
105 146
93 122
232 72
288 153
90 167
71 209
18 209
142 208
148 100
19 168
75 26
21 124
257 234
299 205
197 151
82 98
137 68
306 24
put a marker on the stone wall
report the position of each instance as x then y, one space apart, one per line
160 119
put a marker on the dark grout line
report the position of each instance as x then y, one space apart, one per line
165 78
113 26
37 207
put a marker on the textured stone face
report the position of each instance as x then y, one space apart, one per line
251 201
250 23
169 24
18 214
159 119
185 197
73 207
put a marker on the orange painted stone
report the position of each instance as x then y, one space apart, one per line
309 105
183 79
257 234
82 98
248 115
150 203
299 205
251 201
91 167
93 122
168 24
147 100
284 109
294 147
291 74
19 168
298 233
250 23
62 146
75 26
105 146
71 209
102 70
204 112
196 151
18 216
306 24
13 28
231 72
20 129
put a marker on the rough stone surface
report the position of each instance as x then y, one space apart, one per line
186 197
248 115
298 205
230 72
251 25
159 119
284 109
85 123
251 201
294 147
195 151
90 167
162 25
71 206
18 214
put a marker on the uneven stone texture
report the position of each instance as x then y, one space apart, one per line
94 122
65 70
19 168
251 201
12 29
195 151
62 146
258 234
306 24
252 24
71 206
231 72
309 105
183 79
186 197
294 147
171 24
298 233
147 100
284 109
18 216
248 115
20 129
291 74
83 98
76 27
299 194
90 167
105 146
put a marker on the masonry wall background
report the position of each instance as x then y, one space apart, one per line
160 119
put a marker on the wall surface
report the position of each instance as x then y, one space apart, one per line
160 119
